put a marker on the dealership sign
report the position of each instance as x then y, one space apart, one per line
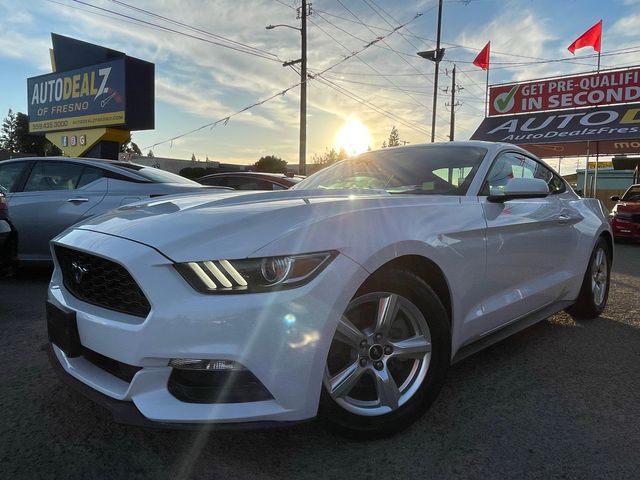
92 96
569 92
591 124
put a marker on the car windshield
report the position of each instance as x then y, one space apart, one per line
633 194
155 174
435 170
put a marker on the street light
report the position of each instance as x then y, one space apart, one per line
302 164
271 27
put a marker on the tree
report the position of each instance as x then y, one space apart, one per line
130 146
150 154
8 138
15 137
394 137
271 164
330 157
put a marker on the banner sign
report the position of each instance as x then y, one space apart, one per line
601 164
87 97
570 92
604 123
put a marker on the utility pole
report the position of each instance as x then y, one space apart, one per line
302 162
435 56
302 12
435 79
452 125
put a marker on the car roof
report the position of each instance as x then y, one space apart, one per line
490 146
113 165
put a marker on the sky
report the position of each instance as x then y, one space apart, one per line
371 88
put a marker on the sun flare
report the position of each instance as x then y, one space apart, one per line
353 137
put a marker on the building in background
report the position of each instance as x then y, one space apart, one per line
610 182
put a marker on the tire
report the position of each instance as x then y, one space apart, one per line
8 257
384 371
595 286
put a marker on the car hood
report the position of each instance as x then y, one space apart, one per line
228 224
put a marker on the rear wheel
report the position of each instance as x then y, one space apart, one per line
8 256
595 286
388 357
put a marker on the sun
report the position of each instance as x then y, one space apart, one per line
353 137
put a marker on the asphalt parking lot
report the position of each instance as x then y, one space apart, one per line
558 400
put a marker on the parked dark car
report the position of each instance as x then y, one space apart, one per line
251 180
46 195
625 216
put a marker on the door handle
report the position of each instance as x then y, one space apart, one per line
562 219
78 200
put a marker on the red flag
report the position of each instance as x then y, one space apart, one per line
482 60
590 38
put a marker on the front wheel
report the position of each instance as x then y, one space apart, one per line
388 358
595 285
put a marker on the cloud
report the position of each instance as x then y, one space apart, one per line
627 26
190 98
34 52
198 82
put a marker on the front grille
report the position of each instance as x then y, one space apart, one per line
118 369
101 282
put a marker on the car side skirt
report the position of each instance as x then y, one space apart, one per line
509 329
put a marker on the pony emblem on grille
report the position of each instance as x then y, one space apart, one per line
78 271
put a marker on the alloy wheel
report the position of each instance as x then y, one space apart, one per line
599 276
379 356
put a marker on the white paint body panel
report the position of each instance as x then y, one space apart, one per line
500 260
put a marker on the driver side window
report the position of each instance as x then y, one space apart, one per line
9 173
514 165
53 176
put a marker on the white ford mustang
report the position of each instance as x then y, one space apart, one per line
348 295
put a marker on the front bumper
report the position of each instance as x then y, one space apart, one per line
282 338
126 412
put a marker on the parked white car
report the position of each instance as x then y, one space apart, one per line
348 295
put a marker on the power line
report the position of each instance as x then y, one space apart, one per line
225 120
409 89
195 29
381 39
346 32
449 45
231 47
388 23
369 104
104 15
400 56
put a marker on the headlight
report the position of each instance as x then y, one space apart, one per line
254 274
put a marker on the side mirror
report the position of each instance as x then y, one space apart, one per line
521 188
615 198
